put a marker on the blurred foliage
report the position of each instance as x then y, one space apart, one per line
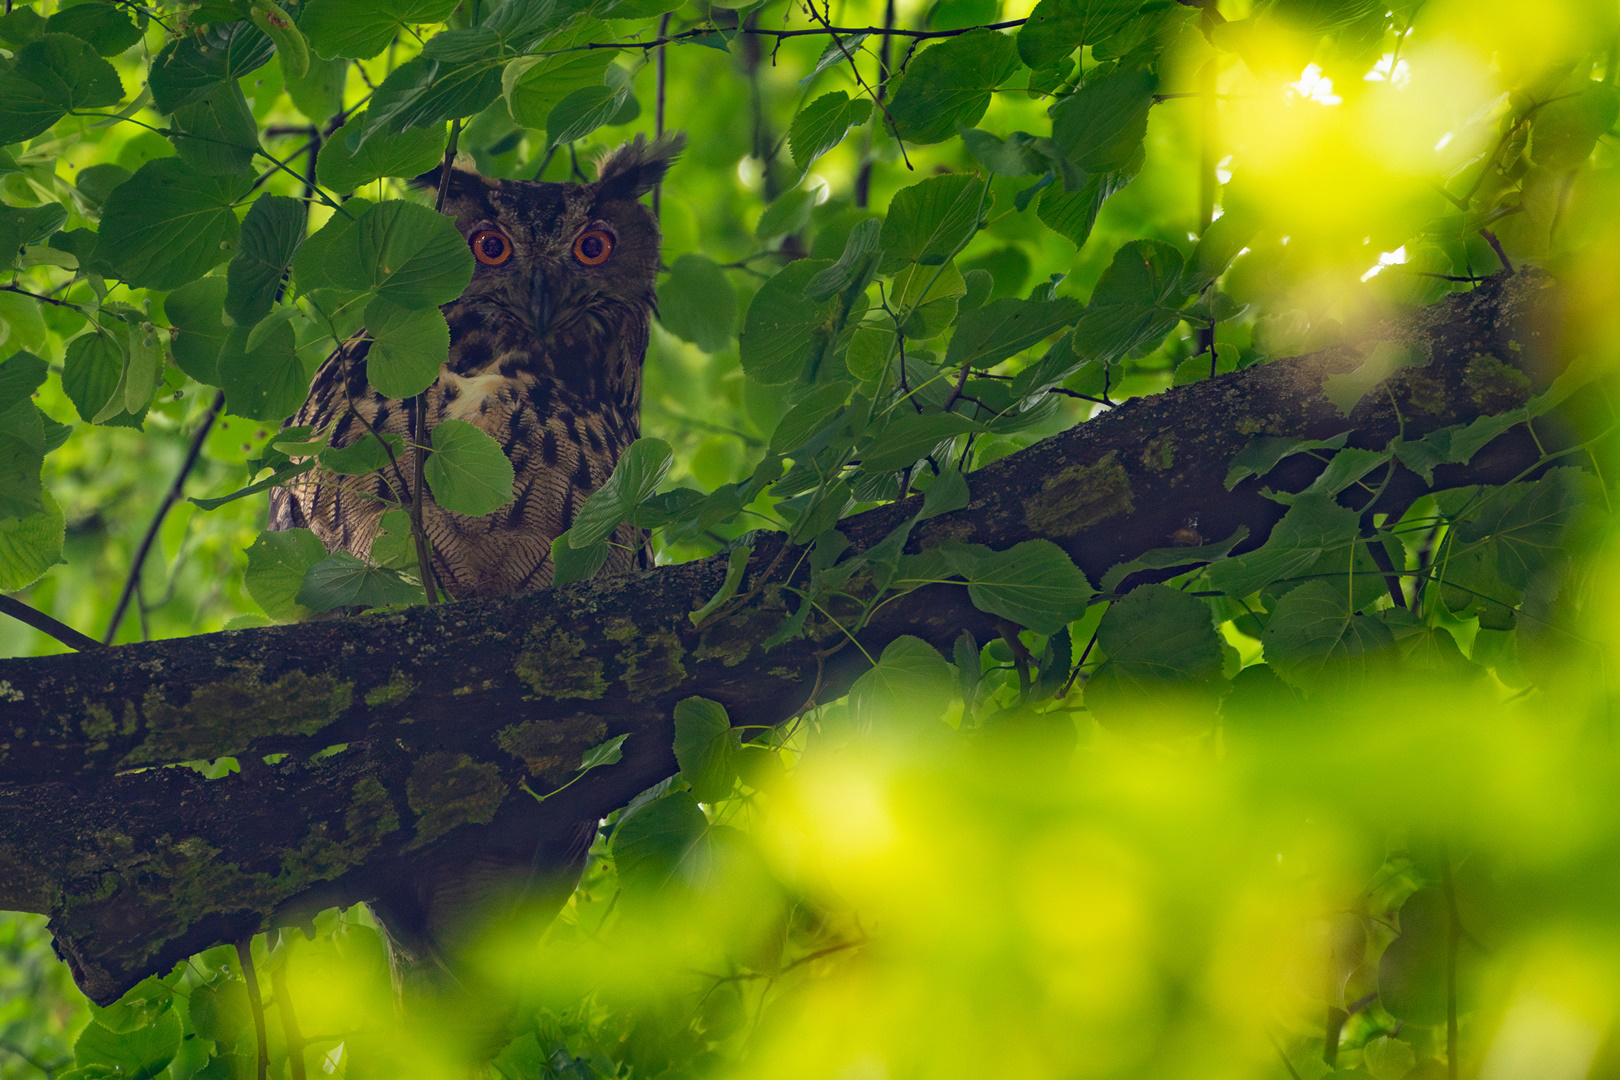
1274 817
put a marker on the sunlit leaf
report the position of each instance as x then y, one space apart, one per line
170 223
948 85
406 153
822 125
697 303
48 77
29 546
341 580
467 471
929 221
408 346
1057 27
190 66
705 748
910 682
636 476
276 565
271 232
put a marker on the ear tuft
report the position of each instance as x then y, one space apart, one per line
636 167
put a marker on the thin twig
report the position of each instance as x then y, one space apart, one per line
10 605
874 31
244 955
856 71
20 291
661 75
163 509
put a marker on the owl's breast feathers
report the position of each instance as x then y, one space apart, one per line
562 420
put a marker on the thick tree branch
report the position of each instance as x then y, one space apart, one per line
407 732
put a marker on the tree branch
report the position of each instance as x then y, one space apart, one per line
410 734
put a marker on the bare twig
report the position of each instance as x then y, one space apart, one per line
10 605
876 97
163 509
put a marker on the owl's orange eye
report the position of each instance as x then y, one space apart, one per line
490 247
593 247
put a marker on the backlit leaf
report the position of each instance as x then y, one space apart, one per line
467 471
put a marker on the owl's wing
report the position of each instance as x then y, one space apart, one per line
344 511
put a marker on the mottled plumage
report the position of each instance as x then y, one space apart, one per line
545 356
546 347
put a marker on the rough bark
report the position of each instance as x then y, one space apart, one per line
404 731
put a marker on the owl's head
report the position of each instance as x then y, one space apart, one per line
568 264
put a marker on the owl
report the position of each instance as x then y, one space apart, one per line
546 348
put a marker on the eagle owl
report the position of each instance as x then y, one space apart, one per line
546 348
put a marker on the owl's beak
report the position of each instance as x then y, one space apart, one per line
540 305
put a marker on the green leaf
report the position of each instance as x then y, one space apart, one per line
1161 649
1167 557
20 375
570 564
22 448
788 213
948 86
947 493
408 346
170 223
291 46
264 382
666 841
1058 27
20 225
423 92
360 29
136 1055
608 753
467 471
92 370
145 369
1002 328
636 476
822 125
697 303
1567 128
365 455
1266 451
1314 638
50 76
1313 526
1135 303
190 66
217 132
807 416
583 111
108 29
910 682
534 85
341 580
736 563
277 563
1073 213
406 153
282 474
930 221
705 748
1034 584
31 545
1101 125
399 250
194 311
911 436
785 334
271 233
